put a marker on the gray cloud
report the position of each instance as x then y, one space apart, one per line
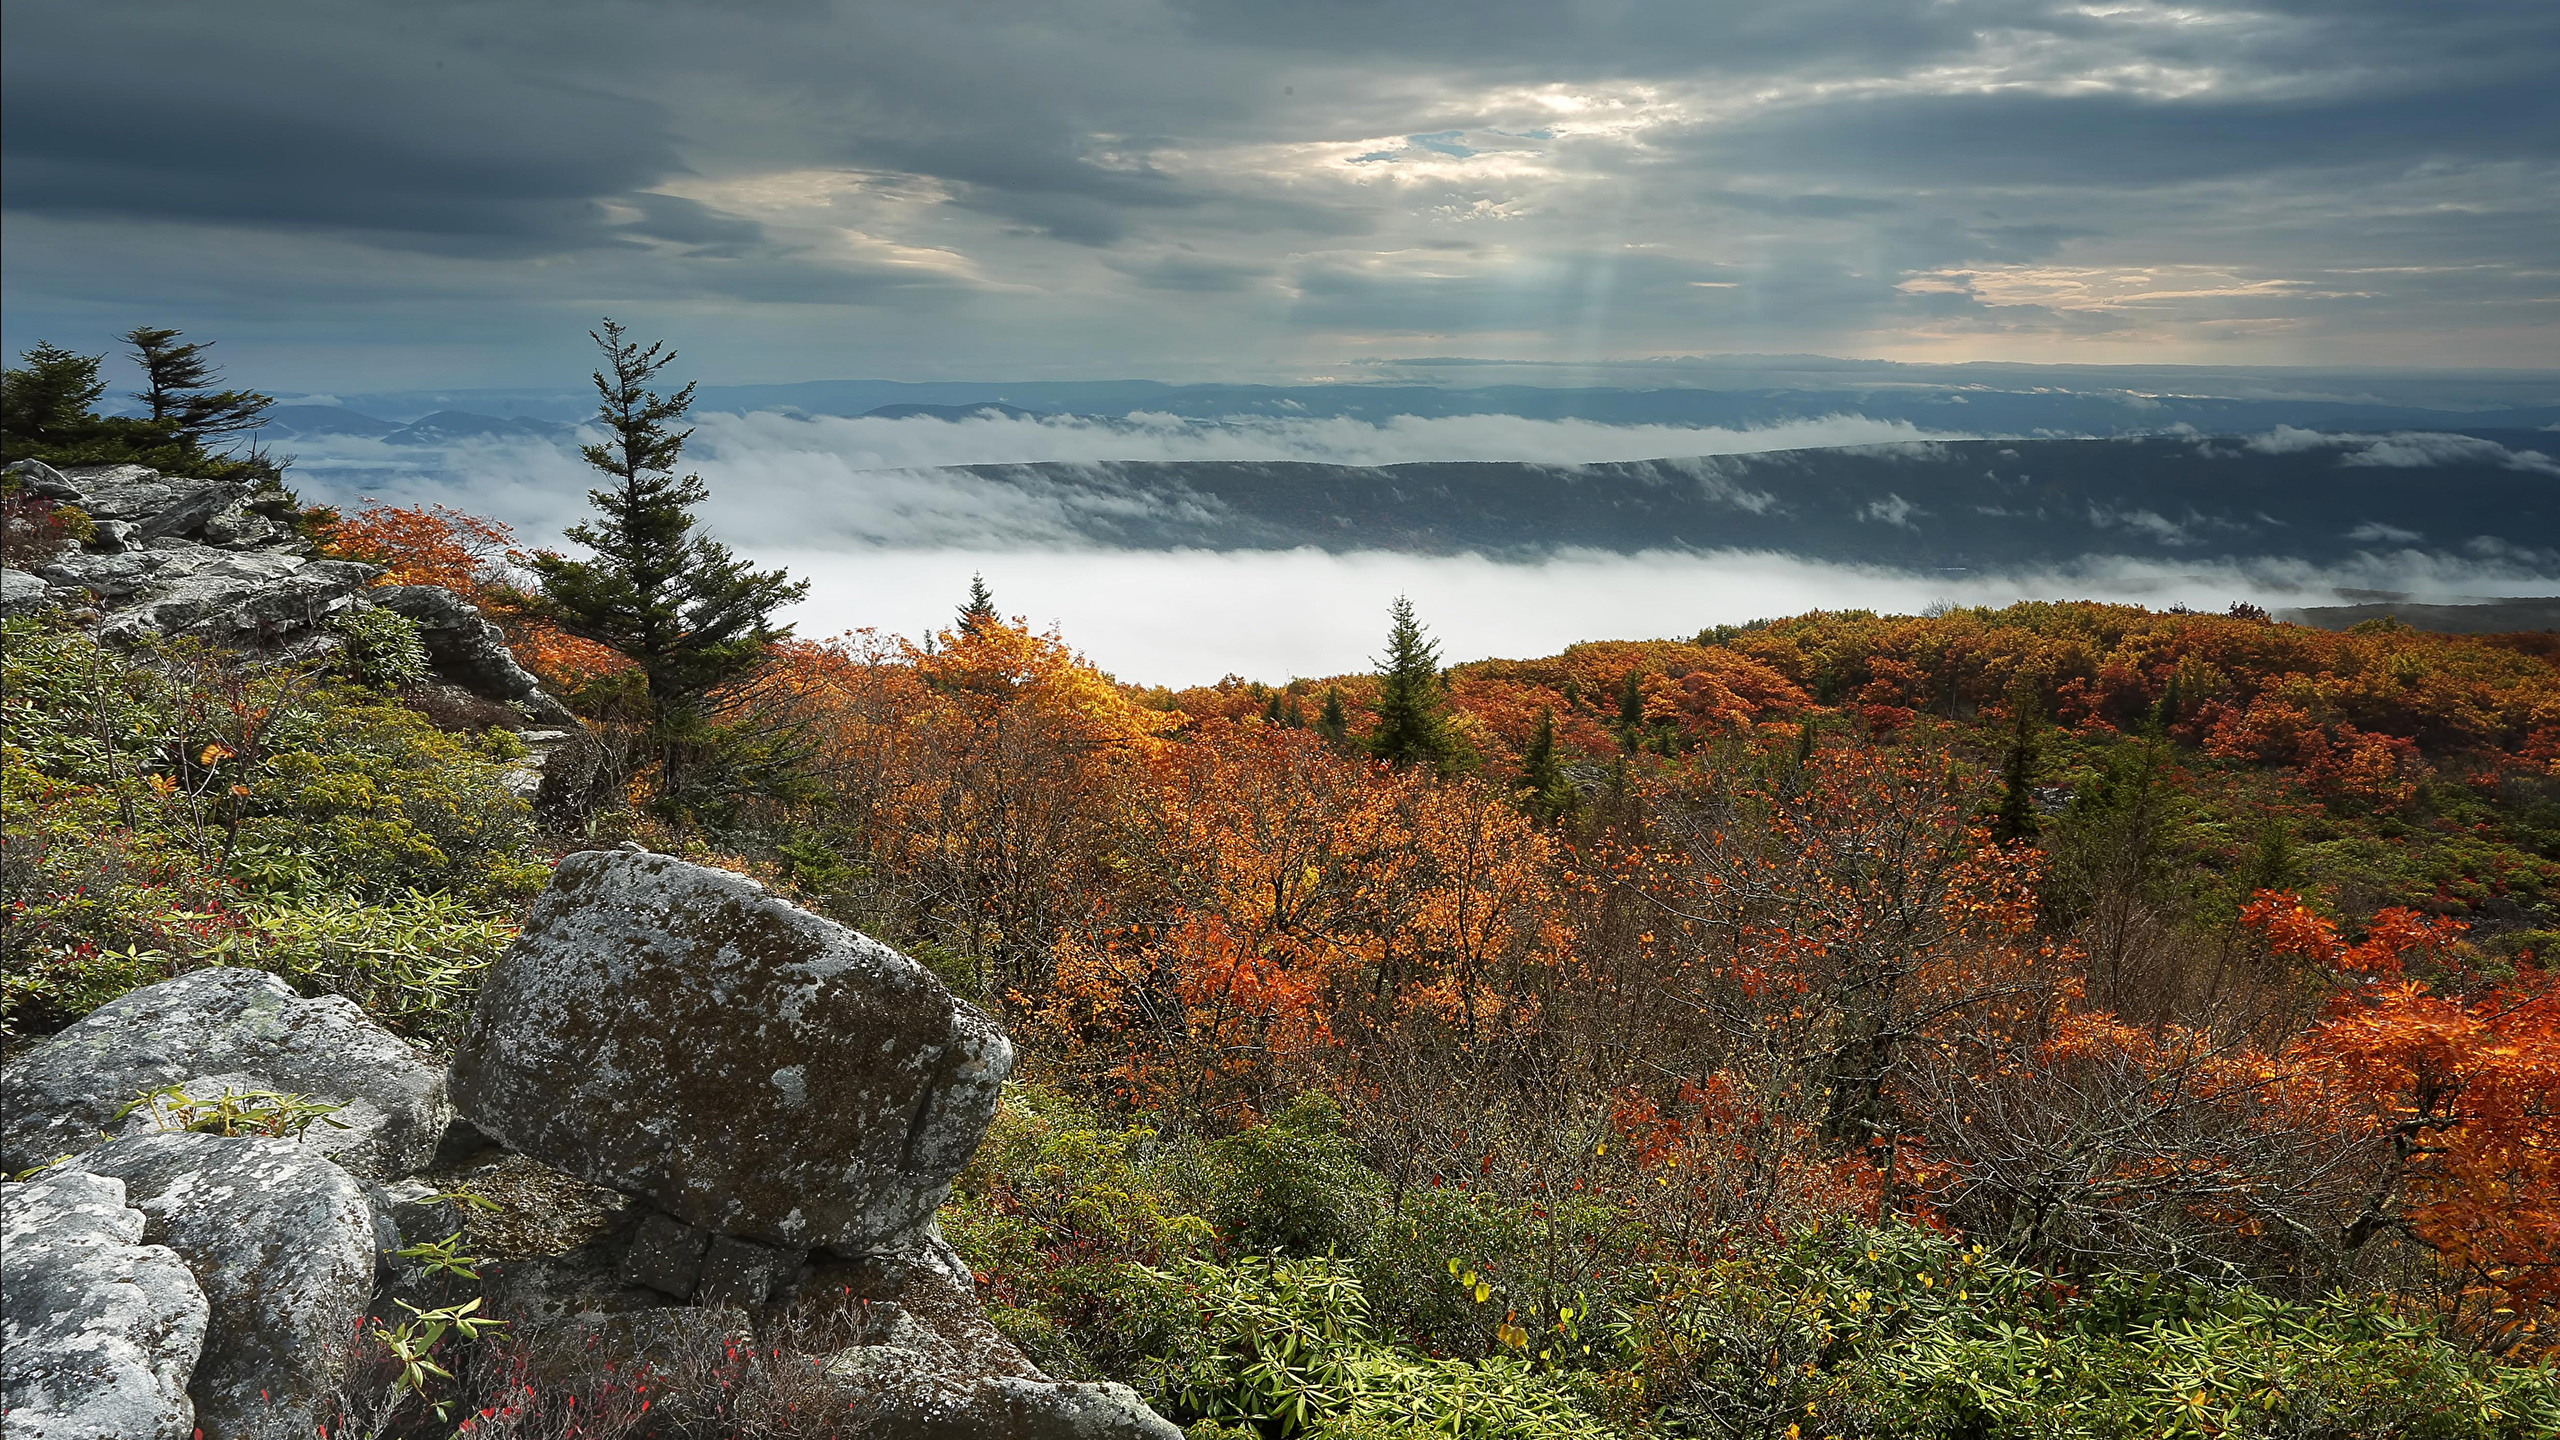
1179 187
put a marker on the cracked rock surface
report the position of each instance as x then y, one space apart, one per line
99 1332
283 1244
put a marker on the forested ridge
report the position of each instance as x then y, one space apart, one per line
2066 1019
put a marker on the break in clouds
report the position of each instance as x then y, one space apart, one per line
863 507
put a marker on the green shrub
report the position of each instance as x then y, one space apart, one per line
1287 1345
1293 1185
176 807
414 962
380 648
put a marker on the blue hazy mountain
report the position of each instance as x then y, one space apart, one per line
1930 505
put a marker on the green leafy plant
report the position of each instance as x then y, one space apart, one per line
412 1344
268 1113
443 1257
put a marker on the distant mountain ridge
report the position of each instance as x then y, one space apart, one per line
443 427
1936 505
1973 409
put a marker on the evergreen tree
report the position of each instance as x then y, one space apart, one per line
981 606
691 616
2018 819
1412 712
1332 721
1544 790
178 385
47 400
1631 709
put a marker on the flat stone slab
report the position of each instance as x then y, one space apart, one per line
677 1033
61 1095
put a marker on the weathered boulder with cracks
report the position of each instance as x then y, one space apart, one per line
676 1033
99 1332
62 1095
283 1243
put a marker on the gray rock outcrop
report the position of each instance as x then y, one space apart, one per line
22 593
283 1244
99 1332
469 651
61 1095
676 1033
220 561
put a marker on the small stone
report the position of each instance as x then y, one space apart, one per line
743 1273
666 1255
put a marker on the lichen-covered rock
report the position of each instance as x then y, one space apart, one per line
61 1095
99 1332
283 1244
240 597
21 594
675 1032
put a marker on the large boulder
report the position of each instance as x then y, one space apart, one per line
63 1094
99 1332
285 1246
675 1032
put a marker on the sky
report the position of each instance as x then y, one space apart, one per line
364 196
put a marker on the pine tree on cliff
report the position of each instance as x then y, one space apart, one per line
690 615
1412 712
178 383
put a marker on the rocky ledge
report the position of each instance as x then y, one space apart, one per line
752 1114
219 561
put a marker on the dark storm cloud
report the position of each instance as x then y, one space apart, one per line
201 114
1132 185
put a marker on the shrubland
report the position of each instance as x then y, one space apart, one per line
2061 1020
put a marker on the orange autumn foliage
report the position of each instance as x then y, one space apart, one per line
2461 1088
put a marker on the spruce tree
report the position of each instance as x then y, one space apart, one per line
46 400
2018 819
980 608
1544 790
1412 712
178 385
1333 722
687 613
1631 709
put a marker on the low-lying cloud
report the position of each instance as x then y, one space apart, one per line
2406 450
1189 617
784 480
863 509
